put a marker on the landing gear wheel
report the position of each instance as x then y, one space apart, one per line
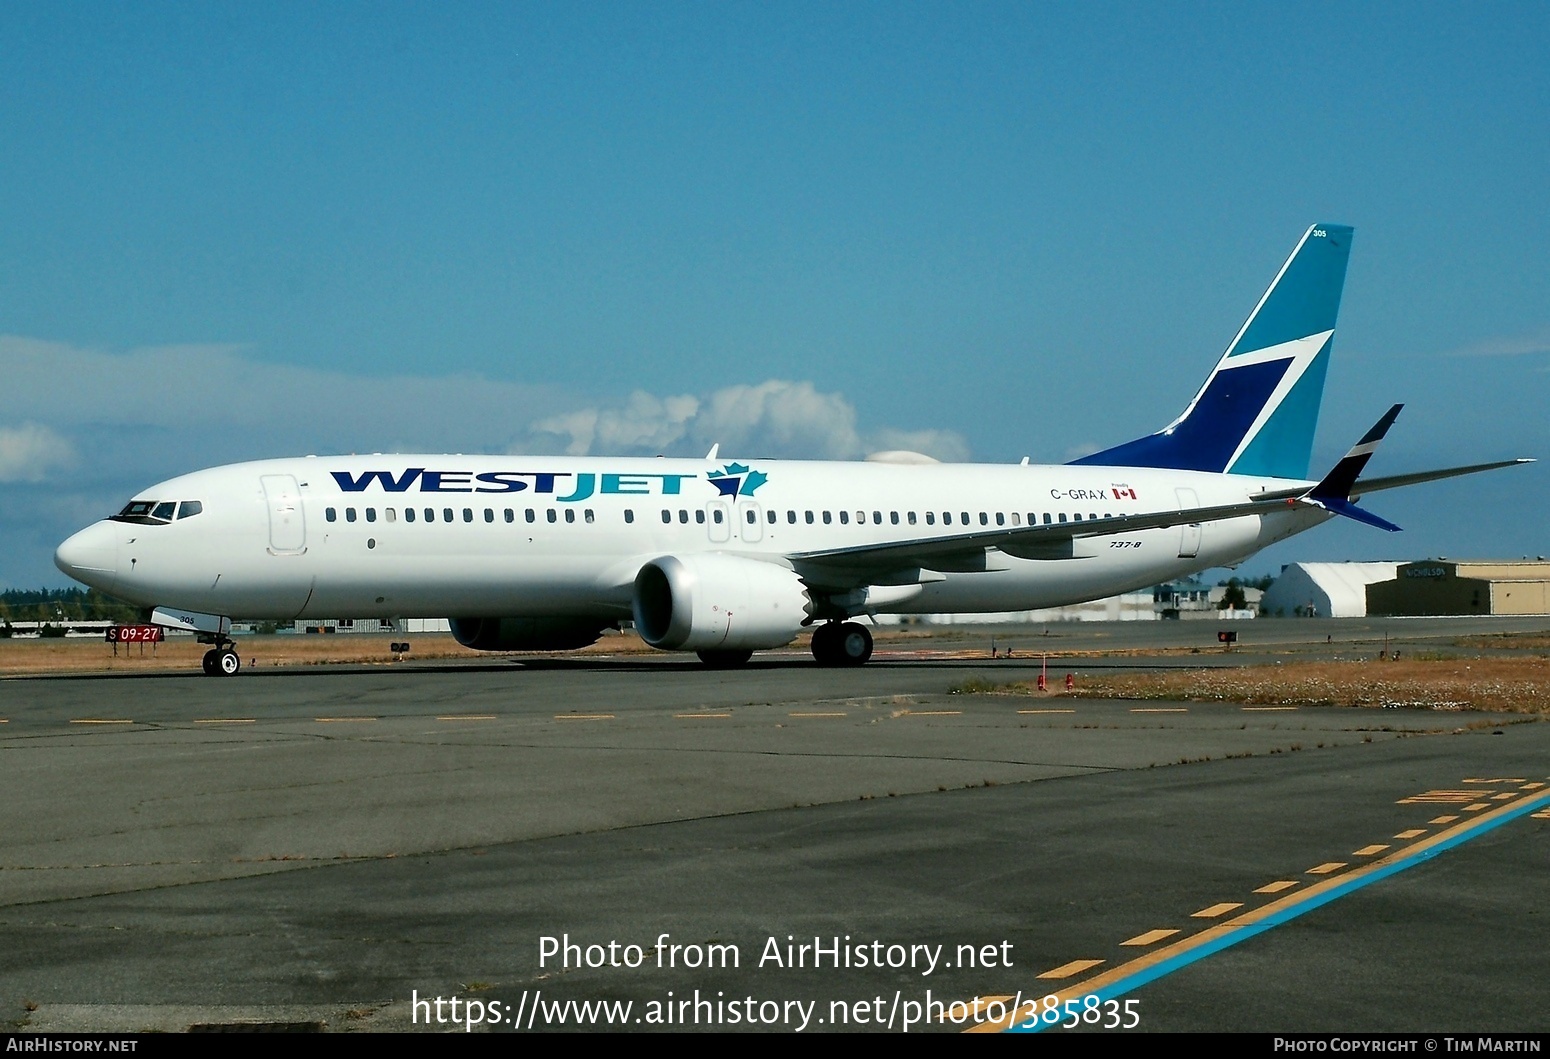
842 644
854 644
227 663
826 651
725 659
209 662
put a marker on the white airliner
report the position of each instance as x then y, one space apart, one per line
725 558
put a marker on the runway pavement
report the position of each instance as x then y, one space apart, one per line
324 846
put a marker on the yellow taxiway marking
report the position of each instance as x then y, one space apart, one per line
1066 970
341 720
933 713
97 720
225 720
1442 820
1151 937
1160 709
468 717
1367 851
1276 887
1414 832
1477 807
583 717
1501 779
1268 709
1046 711
1327 868
695 716
1543 814
1504 796
817 715
1216 910
1531 786
1453 797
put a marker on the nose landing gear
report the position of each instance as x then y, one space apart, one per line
222 661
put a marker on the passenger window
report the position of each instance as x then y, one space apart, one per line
371 514
189 508
844 518
893 517
877 518
965 518
570 514
699 516
826 518
430 514
489 514
683 516
550 515
716 514
408 514
809 518
390 515
947 518
931 518
531 515
752 516
468 514
446 514
1000 519
1062 516
590 515
1046 518
1017 520
349 514
984 519
164 511
331 514
791 518
629 515
511 516
772 518
667 516
1076 517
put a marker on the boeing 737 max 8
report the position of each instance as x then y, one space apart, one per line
725 558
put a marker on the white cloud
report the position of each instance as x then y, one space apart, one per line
773 418
1507 346
28 453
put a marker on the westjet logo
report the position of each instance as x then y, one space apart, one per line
573 487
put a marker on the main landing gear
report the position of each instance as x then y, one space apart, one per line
222 660
842 644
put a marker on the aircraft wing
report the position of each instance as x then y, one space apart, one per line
1395 481
1027 542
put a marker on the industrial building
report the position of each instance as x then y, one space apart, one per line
1437 586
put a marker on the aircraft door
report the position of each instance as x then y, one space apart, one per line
1189 536
287 520
750 526
718 521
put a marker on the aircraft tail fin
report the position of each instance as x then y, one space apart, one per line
1258 409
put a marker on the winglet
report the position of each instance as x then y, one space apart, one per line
1333 494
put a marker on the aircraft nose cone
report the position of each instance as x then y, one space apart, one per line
90 556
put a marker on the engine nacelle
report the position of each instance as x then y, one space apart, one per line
718 603
526 634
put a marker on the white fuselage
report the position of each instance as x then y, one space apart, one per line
513 536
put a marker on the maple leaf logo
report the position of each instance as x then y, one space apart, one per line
737 479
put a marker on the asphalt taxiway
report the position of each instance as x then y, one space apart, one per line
322 845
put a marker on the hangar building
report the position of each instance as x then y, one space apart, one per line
1437 586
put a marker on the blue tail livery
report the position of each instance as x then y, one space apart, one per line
1258 409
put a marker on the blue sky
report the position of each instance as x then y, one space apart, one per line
233 231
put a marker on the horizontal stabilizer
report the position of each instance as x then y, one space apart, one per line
1341 506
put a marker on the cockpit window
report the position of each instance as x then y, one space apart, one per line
157 512
141 512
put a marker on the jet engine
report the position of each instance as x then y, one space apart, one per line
526 634
718 603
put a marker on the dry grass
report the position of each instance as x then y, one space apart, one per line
27 657
1515 685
